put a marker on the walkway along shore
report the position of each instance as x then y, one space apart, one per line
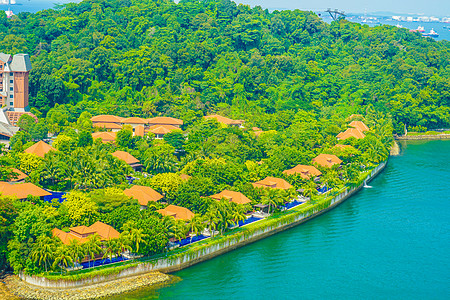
207 249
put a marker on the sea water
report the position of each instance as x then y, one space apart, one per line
391 241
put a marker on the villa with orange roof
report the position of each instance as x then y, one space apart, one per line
359 125
351 132
40 149
129 159
232 196
21 190
143 194
82 233
106 137
177 212
164 121
272 182
19 176
306 172
327 160
226 121
161 130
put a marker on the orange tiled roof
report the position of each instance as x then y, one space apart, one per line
305 171
143 194
165 121
107 125
225 120
178 212
126 157
105 136
272 182
351 132
232 196
106 119
139 130
134 120
40 149
20 175
21 190
359 125
81 233
327 160
162 129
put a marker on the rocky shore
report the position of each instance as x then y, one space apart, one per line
14 288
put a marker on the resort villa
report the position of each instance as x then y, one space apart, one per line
231 196
306 172
106 137
226 121
129 159
357 131
158 125
18 177
82 233
272 182
22 190
257 131
177 212
327 160
143 194
40 149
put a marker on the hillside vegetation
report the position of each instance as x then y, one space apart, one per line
146 58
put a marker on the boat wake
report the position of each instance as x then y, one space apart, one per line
367 186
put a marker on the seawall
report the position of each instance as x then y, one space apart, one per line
443 136
217 246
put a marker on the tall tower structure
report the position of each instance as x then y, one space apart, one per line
14 71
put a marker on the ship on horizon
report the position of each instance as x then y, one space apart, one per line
432 33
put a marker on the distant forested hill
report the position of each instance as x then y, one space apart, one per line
144 58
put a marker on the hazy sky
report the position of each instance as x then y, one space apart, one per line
426 7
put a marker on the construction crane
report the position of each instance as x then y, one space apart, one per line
336 14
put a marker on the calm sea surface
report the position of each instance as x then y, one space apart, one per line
391 241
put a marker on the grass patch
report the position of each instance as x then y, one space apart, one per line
429 133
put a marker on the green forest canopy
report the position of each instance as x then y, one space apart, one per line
145 58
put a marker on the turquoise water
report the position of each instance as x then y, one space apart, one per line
390 241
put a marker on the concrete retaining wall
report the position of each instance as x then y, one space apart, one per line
424 137
204 253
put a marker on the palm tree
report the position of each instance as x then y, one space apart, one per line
123 243
43 250
238 214
137 237
112 247
93 246
76 250
196 224
212 219
310 189
62 257
271 197
179 230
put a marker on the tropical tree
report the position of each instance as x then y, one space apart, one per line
196 224
211 219
112 247
310 189
62 258
43 251
238 214
76 250
271 197
93 246
179 230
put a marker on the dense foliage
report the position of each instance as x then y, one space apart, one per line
156 57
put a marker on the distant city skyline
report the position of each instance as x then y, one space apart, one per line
416 7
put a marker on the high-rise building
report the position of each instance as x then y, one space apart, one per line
14 72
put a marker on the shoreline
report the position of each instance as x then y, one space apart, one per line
69 288
15 288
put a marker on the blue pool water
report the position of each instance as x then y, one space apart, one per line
102 262
55 195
